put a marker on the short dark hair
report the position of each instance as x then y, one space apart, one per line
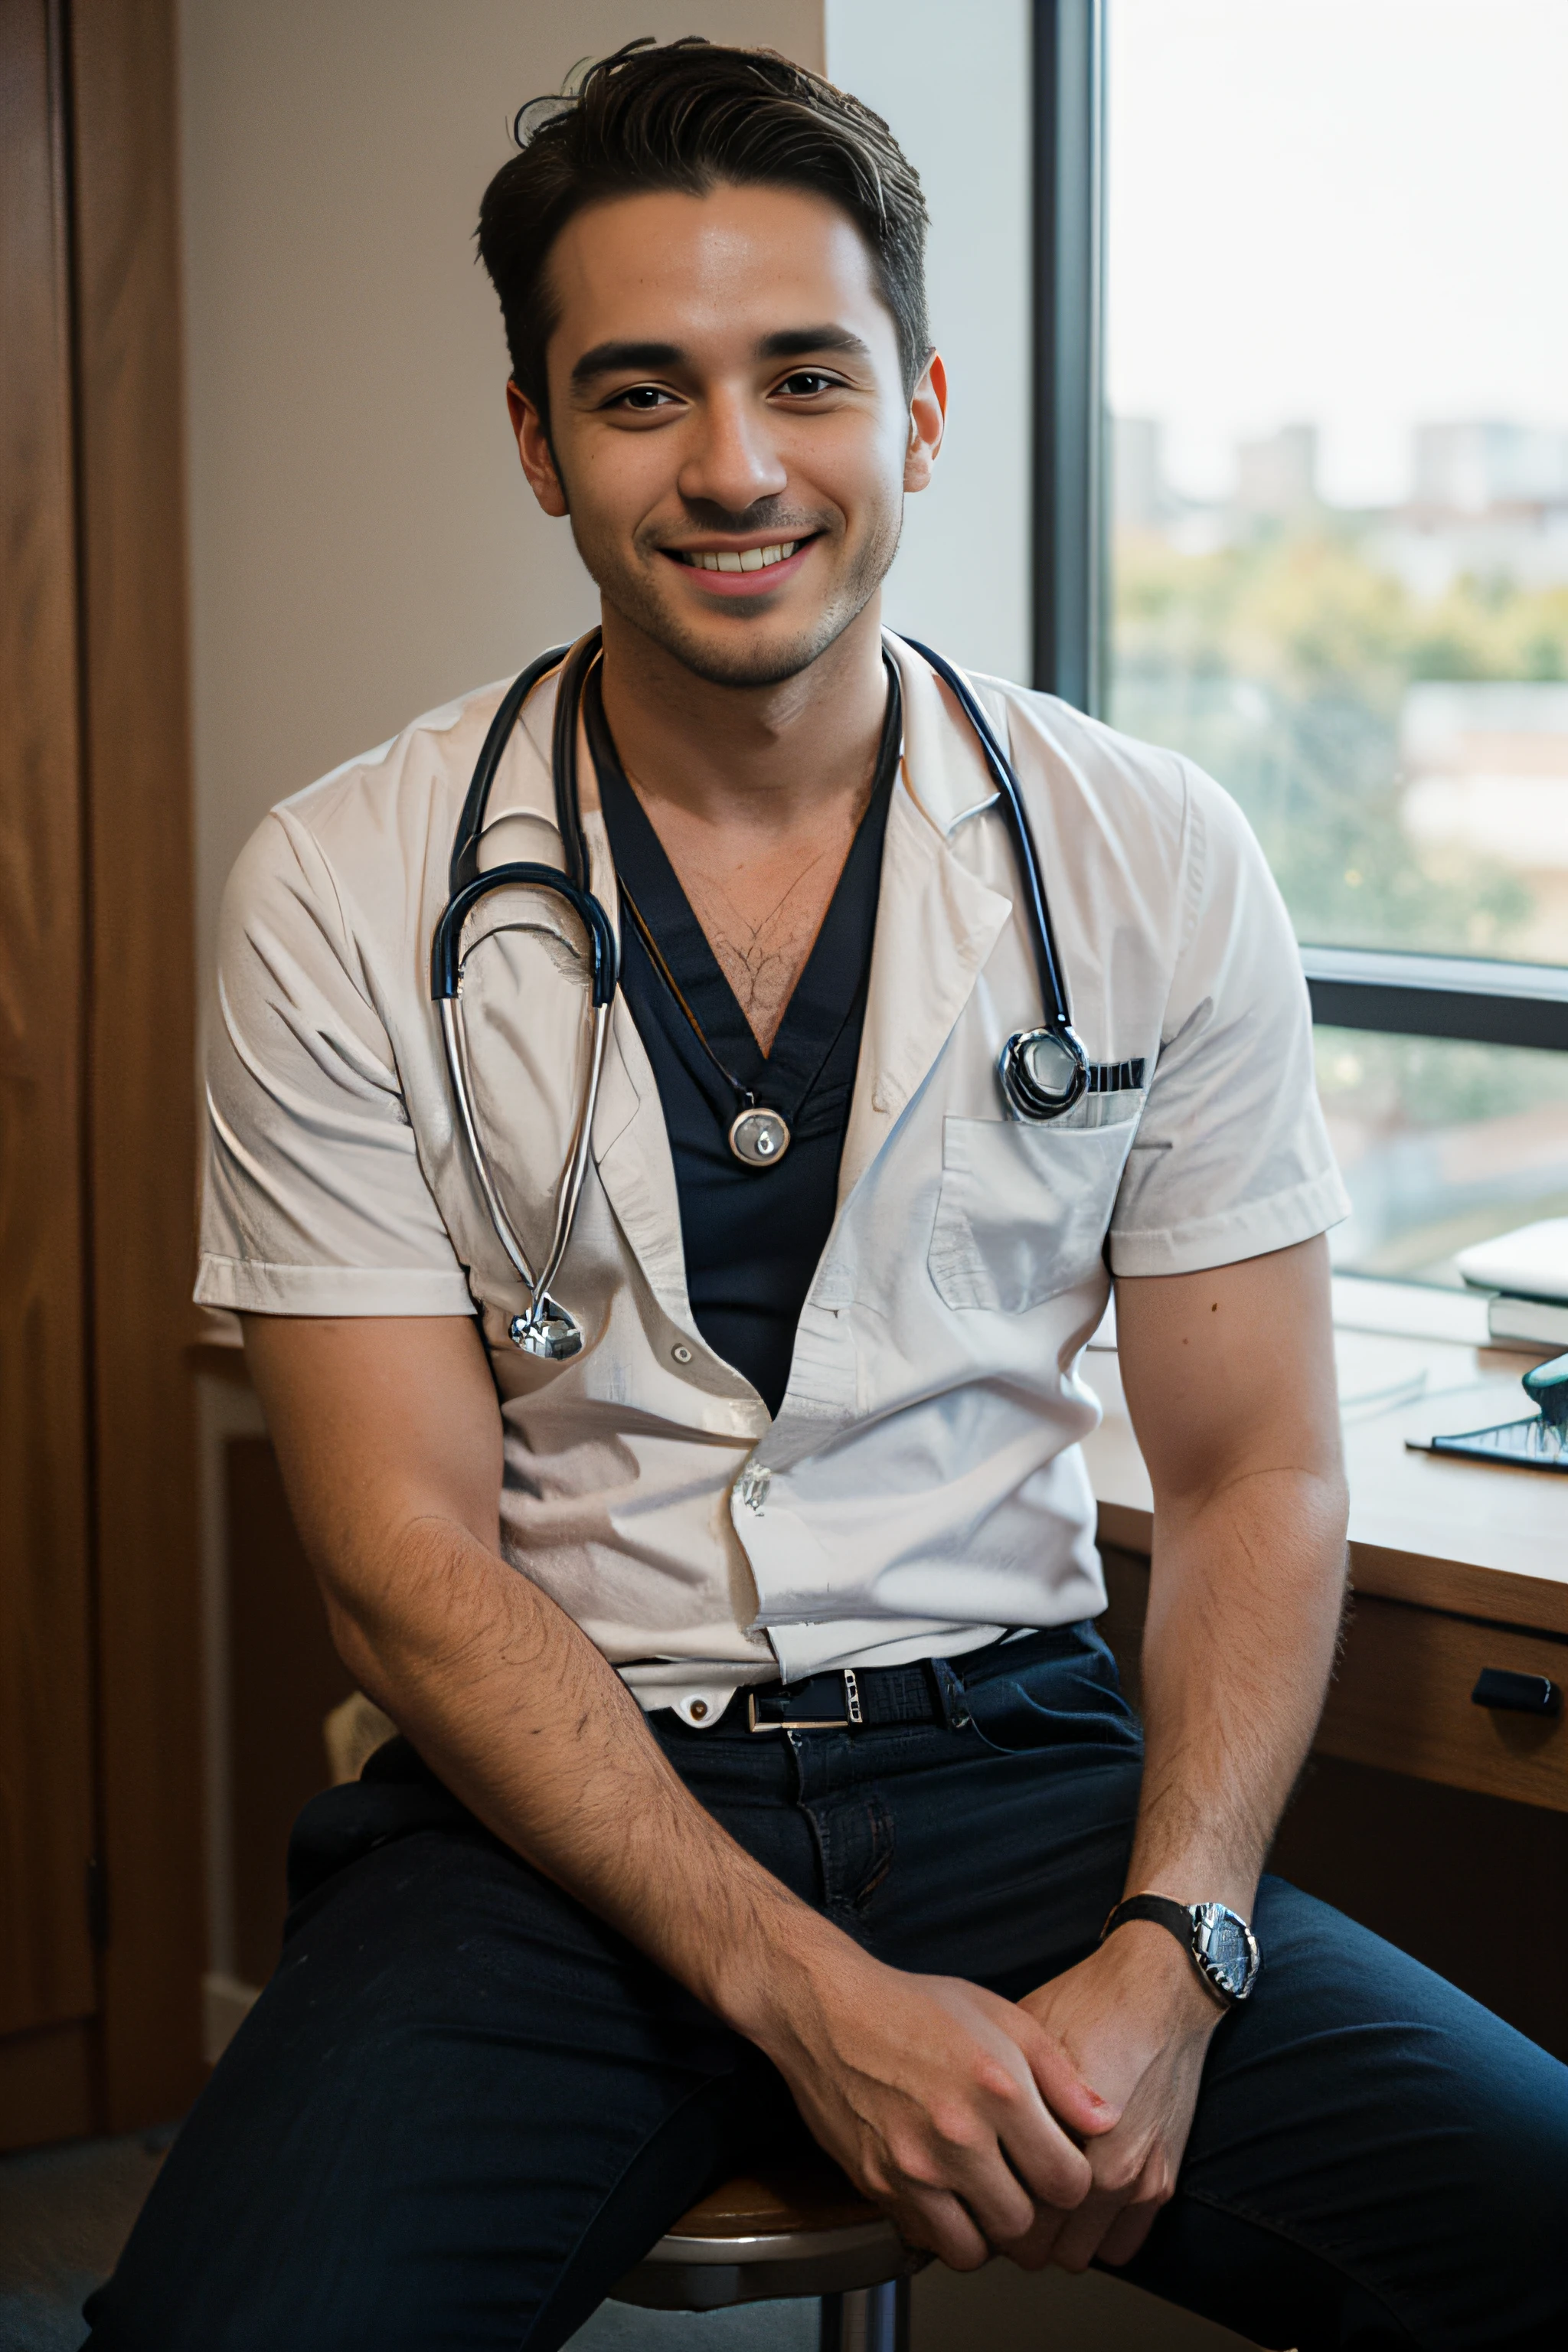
693 115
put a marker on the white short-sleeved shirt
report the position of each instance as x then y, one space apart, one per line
923 1487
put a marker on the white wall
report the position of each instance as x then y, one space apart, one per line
952 81
363 544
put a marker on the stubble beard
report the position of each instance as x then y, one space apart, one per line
746 660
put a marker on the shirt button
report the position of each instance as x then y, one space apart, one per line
681 1352
698 1705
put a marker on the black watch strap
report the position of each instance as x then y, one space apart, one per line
1178 1920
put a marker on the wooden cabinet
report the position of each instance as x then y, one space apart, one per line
1455 1565
100 1917
1402 1698
46 1972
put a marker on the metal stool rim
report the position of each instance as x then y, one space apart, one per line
779 2245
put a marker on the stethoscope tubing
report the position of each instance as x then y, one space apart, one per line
447 959
464 858
564 756
1053 992
454 1043
467 886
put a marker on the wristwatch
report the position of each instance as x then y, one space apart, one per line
1220 1945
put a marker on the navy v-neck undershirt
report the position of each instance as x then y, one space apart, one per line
752 1236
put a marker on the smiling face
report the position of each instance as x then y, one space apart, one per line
728 429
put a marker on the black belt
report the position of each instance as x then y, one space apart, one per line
861 1698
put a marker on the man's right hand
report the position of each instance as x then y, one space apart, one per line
948 2107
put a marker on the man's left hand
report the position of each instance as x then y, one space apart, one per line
1135 2020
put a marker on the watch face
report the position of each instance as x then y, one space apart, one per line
1225 1947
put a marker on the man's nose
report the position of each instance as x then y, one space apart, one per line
733 461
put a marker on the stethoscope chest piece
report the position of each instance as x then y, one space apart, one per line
759 1137
1043 1072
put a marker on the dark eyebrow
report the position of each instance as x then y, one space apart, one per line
789 343
608 357
799 343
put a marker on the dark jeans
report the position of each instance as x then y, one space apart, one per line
463 2108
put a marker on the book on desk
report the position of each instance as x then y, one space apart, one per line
1526 1273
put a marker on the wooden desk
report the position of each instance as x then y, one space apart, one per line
1454 1566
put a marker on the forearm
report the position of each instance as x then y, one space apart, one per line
1244 1604
524 1720
1246 1593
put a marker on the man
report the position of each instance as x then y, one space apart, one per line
760 1759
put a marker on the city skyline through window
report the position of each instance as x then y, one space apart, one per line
1337 378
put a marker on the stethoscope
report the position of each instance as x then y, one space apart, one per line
1042 1072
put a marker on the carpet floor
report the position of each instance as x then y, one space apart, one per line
64 2213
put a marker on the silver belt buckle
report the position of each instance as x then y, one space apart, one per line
851 1714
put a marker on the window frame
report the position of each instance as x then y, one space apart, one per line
1393 990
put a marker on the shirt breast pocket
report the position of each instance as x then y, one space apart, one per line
1023 1209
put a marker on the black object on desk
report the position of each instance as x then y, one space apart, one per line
1540 1442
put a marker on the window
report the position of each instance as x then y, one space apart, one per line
1297 331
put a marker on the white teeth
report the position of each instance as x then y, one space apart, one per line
749 558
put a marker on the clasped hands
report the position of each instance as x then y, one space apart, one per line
1049 2129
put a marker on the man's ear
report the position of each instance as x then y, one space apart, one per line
533 447
928 418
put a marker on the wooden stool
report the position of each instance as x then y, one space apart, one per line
800 2229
